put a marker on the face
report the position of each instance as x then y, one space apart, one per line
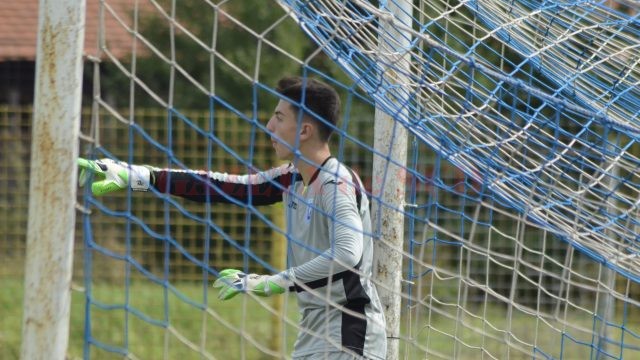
284 129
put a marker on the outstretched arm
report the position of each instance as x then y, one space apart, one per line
261 188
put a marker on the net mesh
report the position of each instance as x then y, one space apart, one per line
521 205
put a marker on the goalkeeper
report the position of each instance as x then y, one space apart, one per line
330 248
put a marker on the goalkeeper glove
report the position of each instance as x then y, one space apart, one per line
232 281
111 175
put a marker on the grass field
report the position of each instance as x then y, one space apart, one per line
243 329
146 340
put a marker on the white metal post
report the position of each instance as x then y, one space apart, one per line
388 183
52 190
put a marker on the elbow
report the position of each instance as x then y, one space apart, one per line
352 261
349 258
348 249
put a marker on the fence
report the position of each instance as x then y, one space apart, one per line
15 142
109 232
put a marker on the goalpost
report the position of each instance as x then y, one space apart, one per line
502 170
388 178
52 187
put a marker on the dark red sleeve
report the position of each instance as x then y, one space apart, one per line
262 188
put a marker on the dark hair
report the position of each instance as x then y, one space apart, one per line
319 98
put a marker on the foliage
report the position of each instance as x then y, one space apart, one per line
207 40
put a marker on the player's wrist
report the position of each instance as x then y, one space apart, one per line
141 177
273 284
283 280
152 175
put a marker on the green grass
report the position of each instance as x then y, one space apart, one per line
242 328
11 315
145 340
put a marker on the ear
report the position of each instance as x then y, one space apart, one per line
306 130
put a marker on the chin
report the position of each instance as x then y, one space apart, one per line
280 156
284 154
288 156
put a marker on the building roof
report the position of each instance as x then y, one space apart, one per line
19 28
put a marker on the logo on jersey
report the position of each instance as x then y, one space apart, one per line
307 215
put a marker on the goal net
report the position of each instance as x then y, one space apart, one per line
521 211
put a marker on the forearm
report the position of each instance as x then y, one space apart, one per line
257 189
345 253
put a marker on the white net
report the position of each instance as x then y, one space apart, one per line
521 205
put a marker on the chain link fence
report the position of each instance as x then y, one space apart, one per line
117 236
217 234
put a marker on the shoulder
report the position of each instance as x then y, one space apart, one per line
338 179
334 172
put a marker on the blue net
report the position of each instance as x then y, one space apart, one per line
522 202
547 122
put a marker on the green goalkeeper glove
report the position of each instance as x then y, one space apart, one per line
232 282
110 175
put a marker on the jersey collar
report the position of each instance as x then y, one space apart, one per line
317 172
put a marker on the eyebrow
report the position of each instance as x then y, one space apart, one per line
278 113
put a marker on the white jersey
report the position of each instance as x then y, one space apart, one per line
330 250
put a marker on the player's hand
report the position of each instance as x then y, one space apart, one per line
232 282
110 175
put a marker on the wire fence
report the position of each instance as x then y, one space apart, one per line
117 237
110 233
113 234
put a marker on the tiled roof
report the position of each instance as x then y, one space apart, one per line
19 27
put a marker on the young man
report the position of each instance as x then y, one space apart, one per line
330 247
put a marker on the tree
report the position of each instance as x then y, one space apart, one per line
219 48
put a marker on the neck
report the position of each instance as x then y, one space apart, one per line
312 161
